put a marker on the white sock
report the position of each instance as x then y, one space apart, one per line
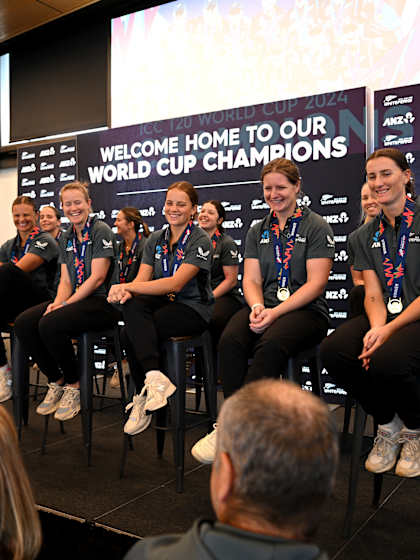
394 426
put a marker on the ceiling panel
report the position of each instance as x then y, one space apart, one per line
18 16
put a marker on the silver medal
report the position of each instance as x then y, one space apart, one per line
283 294
395 306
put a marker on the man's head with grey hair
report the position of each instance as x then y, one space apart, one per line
276 459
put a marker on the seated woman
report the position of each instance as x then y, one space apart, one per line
375 356
28 264
288 257
171 296
87 257
133 232
50 221
21 535
224 267
369 210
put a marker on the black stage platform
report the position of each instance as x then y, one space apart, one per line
91 512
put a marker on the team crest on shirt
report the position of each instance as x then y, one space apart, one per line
265 237
234 254
69 245
202 254
41 245
375 240
107 244
330 242
158 252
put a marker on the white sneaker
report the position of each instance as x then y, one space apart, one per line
158 388
409 463
51 400
384 453
205 448
5 383
138 420
69 405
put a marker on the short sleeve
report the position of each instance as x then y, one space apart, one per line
321 243
199 251
351 247
103 241
229 255
148 256
251 246
363 258
44 246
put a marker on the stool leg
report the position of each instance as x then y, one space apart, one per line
358 431
20 369
161 422
176 358
209 380
86 366
45 434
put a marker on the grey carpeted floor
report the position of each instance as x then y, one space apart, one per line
145 503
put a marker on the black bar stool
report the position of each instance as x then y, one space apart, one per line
175 352
87 372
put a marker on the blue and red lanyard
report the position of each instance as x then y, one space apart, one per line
215 238
179 255
13 258
125 270
394 272
283 261
79 257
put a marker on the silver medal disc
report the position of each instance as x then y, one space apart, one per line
283 294
394 306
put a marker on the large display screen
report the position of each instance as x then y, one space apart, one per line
196 56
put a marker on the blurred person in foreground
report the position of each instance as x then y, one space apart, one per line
276 458
20 530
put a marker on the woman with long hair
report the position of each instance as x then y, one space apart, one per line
87 257
133 232
288 258
28 264
171 296
224 267
20 530
375 356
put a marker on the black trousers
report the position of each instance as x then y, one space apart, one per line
149 320
224 308
391 385
48 338
287 336
357 301
17 293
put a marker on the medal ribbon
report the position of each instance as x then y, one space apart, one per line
283 261
394 273
33 233
215 238
79 258
124 272
179 251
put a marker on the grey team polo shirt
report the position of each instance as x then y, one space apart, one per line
369 254
225 253
135 265
197 293
315 240
43 245
101 245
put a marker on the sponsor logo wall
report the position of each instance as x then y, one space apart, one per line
222 153
44 169
397 114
